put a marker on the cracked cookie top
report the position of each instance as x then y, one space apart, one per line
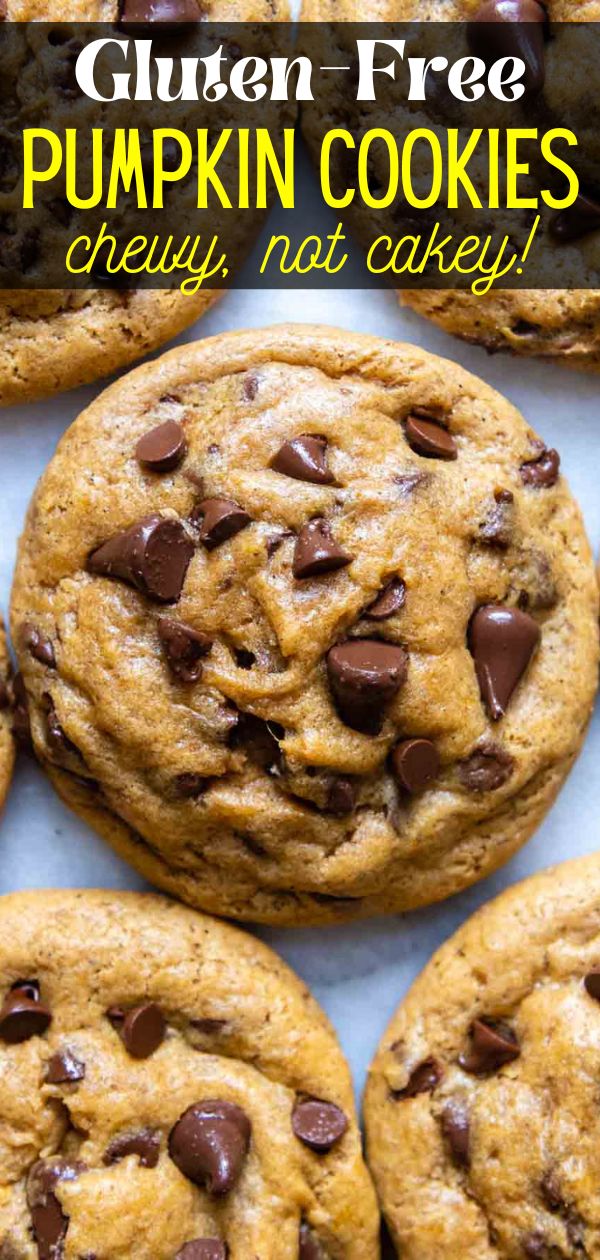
481 1106
168 1091
321 620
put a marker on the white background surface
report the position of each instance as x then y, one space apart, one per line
358 973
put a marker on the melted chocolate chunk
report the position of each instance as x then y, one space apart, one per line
305 459
145 1144
209 1144
38 645
502 641
184 648
511 28
424 1078
489 767
318 1124
218 521
493 1044
364 675
316 551
153 556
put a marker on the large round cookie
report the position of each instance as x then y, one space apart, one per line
482 1101
557 324
169 1090
323 621
52 340
7 751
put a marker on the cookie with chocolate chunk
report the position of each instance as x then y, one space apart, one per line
481 1106
7 750
320 647
169 1090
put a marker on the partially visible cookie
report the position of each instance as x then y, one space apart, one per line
482 1102
324 624
169 1090
7 749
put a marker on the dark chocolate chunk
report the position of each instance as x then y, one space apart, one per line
493 1044
318 1124
341 796
424 1078
456 1130
429 438
162 448
541 472
305 459
219 520
38 645
153 556
143 1030
511 28
23 1014
184 648
64 1068
49 1222
203 1249
145 1144
317 552
389 601
415 763
502 641
364 675
489 767
209 1144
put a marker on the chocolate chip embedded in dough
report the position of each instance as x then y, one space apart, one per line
38 645
318 1124
184 648
203 1249
153 556
143 1030
341 796
390 600
64 1068
21 725
502 641
209 1144
317 552
364 676
162 449
308 1247
456 1130
429 439
23 1014
424 1078
489 767
218 520
49 1222
497 527
305 459
493 1044
592 984
145 1144
415 764
542 472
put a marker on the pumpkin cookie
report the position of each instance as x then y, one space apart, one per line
481 1106
169 1090
321 619
7 752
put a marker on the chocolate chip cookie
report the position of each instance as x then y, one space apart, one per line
324 624
169 1090
481 1106
556 324
53 339
7 754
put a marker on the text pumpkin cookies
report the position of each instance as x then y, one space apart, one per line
481 1103
324 622
169 1091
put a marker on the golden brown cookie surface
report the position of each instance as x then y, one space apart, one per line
481 1104
7 752
167 1081
324 624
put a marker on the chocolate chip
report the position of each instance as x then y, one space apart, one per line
536 1247
184 648
502 642
209 1027
496 529
493 1044
58 741
429 438
511 28
576 220
364 675
64 1068
162 448
21 725
142 1030
50 1224
145 1144
542 472
489 767
219 520
305 459
203 1249
38 645
408 482
341 796
153 556
456 1130
422 1080
250 386
415 762
275 541
209 1144
317 552
23 1014
137 12
318 1124
592 984
308 1247
389 601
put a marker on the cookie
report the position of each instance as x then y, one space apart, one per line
562 325
53 339
324 620
481 1103
169 1090
7 752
